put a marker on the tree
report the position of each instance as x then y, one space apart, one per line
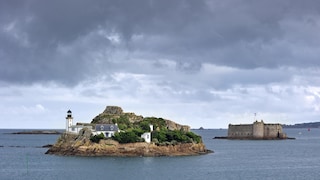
145 126
127 137
159 135
194 137
176 136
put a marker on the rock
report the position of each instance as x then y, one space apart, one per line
130 149
174 126
47 146
113 110
84 133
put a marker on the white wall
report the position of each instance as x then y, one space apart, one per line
146 136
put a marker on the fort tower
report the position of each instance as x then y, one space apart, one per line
258 130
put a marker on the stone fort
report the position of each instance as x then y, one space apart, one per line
257 130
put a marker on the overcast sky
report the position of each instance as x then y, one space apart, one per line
196 62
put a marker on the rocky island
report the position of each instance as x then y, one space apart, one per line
115 133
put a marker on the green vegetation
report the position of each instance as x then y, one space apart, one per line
131 136
164 137
158 123
161 135
105 118
97 138
131 132
123 122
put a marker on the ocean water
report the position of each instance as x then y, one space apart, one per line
21 157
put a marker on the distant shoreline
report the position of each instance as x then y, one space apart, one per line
303 125
49 132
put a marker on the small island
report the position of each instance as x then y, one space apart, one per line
116 133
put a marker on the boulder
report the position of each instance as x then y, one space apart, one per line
113 110
174 126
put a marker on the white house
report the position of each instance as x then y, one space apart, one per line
107 130
147 135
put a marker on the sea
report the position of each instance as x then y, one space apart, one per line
23 157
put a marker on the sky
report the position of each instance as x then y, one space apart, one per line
203 63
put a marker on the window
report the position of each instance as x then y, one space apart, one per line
101 127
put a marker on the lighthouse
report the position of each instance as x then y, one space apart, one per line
69 120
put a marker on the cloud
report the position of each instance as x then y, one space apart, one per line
215 59
54 38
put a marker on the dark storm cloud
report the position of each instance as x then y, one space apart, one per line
68 41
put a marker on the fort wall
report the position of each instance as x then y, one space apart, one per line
274 130
257 130
242 130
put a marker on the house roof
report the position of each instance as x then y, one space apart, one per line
106 127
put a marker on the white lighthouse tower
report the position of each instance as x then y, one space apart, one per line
69 120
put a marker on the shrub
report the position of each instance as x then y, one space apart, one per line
159 135
127 137
138 132
122 126
156 122
175 137
123 122
96 138
145 126
194 137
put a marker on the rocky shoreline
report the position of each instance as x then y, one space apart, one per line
73 145
130 150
